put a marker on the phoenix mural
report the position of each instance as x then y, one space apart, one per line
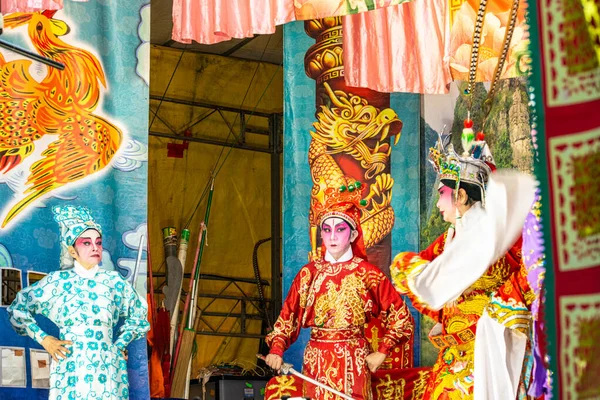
59 111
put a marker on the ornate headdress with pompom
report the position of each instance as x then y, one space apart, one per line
473 167
344 202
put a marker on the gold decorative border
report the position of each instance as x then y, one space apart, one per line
572 310
562 89
574 252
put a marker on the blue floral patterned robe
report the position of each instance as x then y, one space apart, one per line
86 305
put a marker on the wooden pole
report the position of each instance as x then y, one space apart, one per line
185 344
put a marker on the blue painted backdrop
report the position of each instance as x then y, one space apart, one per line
299 114
117 33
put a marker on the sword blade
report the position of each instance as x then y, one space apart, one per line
287 368
314 382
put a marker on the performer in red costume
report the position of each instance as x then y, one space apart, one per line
336 295
472 281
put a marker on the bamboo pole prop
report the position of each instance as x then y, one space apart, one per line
188 337
202 244
187 301
182 256
183 246
193 282
180 378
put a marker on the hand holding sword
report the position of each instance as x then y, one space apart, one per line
274 360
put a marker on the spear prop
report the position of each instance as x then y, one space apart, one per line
186 341
288 369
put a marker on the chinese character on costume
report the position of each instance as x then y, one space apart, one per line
336 295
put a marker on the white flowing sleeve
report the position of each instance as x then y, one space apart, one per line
482 240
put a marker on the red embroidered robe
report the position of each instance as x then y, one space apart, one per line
336 301
502 291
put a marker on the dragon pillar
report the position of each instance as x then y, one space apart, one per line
351 139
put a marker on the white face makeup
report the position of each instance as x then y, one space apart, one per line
337 236
88 249
446 204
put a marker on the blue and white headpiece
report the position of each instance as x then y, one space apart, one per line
73 221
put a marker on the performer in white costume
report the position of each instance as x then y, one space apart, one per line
472 281
86 303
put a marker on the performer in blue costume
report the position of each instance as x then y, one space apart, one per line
85 302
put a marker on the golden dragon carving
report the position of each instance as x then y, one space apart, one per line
353 127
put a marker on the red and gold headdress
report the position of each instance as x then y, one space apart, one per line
344 202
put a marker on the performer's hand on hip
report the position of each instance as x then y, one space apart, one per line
274 361
374 360
56 348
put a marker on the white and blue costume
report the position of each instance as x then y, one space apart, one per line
86 304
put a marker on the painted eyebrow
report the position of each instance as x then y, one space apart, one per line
343 224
